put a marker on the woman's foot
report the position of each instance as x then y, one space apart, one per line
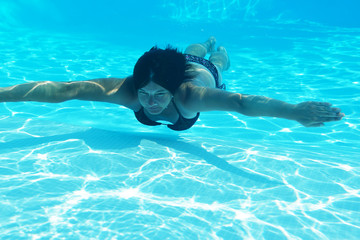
201 49
210 44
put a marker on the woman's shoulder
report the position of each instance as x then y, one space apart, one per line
182 97
126 93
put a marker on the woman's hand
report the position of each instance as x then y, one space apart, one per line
314 114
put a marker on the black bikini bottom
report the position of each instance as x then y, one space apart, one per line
209 65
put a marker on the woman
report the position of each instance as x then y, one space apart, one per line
167 85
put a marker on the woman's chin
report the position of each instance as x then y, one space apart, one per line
154 110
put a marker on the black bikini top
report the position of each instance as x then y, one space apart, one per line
180 125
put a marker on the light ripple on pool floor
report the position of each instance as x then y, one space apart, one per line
81 170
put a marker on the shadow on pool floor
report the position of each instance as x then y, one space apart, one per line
104 139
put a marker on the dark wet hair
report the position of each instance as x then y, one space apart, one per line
166 67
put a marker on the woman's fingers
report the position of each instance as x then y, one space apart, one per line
315 114
330 113
329 119
322 104
325 110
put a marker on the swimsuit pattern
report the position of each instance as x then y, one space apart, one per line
209 65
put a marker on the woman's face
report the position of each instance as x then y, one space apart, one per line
154 98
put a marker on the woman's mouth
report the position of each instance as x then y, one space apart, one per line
154 109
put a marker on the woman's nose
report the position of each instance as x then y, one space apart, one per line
151 100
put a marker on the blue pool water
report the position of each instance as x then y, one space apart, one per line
89 170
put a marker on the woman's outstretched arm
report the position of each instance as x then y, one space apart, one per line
309 114
114 90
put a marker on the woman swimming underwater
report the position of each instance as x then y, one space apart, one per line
175 87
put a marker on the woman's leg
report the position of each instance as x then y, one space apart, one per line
201 49
220 59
